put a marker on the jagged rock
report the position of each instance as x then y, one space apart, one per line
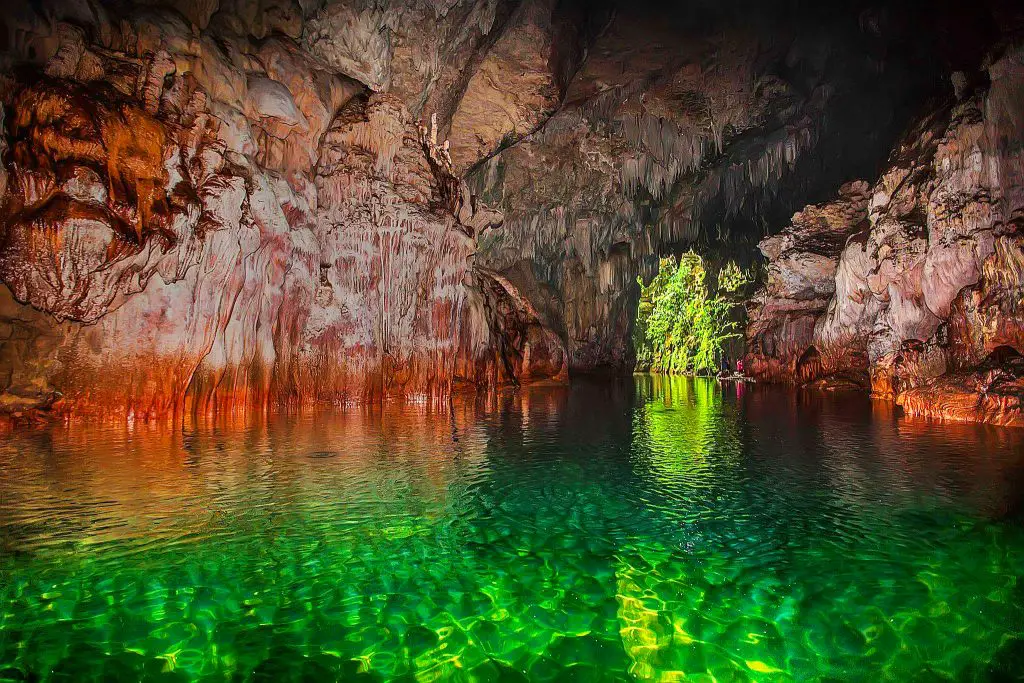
990 314
198 12
269 99
3 153
352 39
993 393
664 129
802 264
74 240
928 292
526 348
217 247
515 88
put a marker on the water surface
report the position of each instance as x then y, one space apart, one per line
649 530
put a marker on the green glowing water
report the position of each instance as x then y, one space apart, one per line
658 531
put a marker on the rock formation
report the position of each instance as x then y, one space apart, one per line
194 219
676 131
802 281
914 287
215 205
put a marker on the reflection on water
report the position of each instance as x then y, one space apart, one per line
644 530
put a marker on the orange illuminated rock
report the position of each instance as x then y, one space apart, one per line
160 270
88 210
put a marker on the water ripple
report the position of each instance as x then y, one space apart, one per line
647 531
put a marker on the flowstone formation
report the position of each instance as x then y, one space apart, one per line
914 287
202 213
213 205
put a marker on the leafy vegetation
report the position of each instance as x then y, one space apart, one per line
681 325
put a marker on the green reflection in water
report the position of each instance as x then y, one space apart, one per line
657 532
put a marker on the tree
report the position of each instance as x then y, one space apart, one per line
680 324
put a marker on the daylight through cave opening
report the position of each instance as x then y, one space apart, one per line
688 320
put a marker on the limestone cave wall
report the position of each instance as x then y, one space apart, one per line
214 207
913 285
697 129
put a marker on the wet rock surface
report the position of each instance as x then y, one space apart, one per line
923 300
803 278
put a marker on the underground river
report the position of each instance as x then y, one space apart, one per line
643 529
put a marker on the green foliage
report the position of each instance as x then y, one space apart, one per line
680 324
732 278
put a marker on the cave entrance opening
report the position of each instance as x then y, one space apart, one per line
686 316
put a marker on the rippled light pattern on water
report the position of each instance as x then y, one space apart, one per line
655 530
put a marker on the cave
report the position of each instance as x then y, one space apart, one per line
224 210
1003 355
323 348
